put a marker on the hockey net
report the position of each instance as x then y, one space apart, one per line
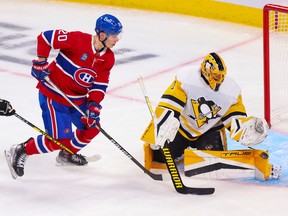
275 43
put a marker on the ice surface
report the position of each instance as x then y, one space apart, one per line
162 44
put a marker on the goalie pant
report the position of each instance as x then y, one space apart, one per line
235 164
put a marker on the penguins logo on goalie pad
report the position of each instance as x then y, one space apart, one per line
204 111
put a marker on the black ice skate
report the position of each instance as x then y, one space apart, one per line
66 159
16 158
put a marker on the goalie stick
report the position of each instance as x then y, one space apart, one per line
158 177
171 166
178 184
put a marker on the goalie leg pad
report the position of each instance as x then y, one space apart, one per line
148 155
153 159
149 162
236 164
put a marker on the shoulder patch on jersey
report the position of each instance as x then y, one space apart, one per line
84 56
84 77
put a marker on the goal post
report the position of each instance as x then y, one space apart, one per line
275 49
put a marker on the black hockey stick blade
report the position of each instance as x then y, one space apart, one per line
196 191
158 177
176 178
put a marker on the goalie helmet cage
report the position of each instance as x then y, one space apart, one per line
275 49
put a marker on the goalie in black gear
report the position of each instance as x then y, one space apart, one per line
202 105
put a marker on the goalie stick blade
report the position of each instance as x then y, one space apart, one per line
176 178
197 191
157 177
8 160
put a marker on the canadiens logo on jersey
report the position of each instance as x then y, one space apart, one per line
84 77
204 110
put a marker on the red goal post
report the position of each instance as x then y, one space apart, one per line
275 48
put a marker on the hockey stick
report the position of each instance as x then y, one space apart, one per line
92 158
171 166
44 133
154 176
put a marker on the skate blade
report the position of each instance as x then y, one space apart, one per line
90 159
8 159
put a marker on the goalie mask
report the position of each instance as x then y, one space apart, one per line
213 70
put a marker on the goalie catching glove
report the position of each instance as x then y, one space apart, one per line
249 131
166 127
6 108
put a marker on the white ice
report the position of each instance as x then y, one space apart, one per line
115 185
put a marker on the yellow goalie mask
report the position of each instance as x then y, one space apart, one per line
213 70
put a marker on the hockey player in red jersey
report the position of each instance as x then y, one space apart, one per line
81 70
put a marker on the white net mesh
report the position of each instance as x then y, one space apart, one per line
278 36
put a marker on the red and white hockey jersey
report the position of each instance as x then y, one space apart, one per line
78 70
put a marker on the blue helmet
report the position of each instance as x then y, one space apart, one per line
109 24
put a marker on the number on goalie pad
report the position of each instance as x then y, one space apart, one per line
249 131
234 164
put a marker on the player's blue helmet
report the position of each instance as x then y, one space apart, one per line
109 24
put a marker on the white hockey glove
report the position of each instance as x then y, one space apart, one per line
166 127
249 131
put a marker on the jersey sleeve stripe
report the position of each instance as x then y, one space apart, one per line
174 99
234 115
227 118
66 64
99 86
170 106
48 36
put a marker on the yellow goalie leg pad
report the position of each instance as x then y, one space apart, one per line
235 164
147 156
148 159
